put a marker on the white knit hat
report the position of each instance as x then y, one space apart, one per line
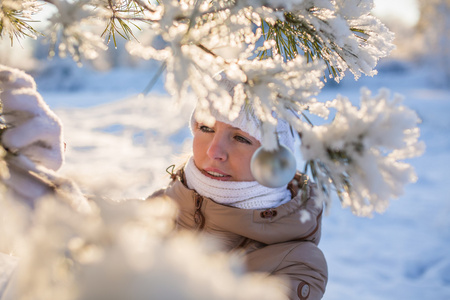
247 121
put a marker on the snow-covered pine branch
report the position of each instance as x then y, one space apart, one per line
275 52
361 152
120 251
196 48
341 33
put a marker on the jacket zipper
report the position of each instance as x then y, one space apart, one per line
199 218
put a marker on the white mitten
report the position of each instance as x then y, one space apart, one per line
34 136
33 129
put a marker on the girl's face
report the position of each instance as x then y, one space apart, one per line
223 152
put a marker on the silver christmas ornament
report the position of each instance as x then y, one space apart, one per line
273 168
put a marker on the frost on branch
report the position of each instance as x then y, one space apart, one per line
360 152
370 39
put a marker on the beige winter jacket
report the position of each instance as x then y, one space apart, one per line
281 241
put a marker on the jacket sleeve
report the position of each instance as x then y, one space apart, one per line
301 264
306 269
156 194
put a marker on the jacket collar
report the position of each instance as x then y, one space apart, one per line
298 219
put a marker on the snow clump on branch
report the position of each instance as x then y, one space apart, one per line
361 151
125 250
70 29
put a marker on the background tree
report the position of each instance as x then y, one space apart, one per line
434 29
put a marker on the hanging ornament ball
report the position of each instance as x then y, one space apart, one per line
273 168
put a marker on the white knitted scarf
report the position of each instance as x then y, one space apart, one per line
240 194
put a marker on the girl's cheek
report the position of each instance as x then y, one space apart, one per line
198 146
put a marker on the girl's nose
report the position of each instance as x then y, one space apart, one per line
217 149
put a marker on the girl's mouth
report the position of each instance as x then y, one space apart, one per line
216 175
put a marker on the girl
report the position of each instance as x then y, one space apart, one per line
277 230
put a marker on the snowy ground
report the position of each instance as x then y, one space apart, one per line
120 145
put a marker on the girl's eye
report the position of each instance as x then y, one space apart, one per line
205 128
242 139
